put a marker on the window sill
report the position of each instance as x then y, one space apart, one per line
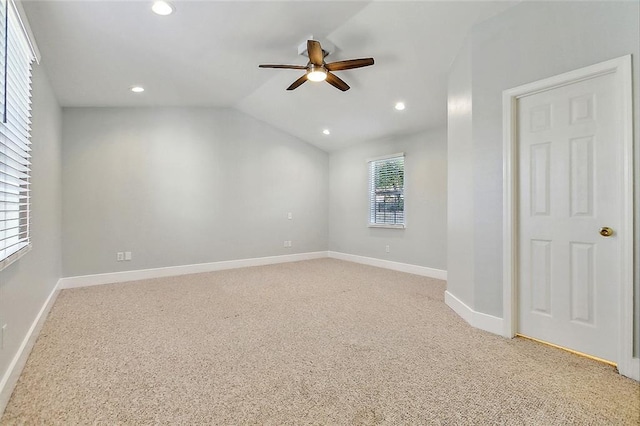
4 264
384 225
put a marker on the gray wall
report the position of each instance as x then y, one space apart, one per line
179 186
26 284
423 242
529 42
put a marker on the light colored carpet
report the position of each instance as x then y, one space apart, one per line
314 342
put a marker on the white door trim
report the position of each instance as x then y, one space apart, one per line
621 67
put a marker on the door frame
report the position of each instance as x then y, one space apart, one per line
621 67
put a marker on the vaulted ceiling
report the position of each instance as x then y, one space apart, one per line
207 54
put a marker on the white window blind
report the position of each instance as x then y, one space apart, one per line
16 56
386 191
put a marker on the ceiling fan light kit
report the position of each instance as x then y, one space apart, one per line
316 73
318 70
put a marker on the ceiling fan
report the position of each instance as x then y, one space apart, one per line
318 70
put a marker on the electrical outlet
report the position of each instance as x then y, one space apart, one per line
386 248
289 215
286 243
290 244
120 256
3 332
127 255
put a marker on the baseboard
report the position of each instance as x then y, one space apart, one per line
11 376
630 368
459 307
170 271
476 319
143 274
387 264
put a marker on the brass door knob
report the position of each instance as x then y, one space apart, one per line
605 231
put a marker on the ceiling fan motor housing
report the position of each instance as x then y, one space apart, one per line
327 47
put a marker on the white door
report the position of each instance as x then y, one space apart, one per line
570 186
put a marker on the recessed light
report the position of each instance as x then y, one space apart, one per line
137 89
162 7
326 131
399 106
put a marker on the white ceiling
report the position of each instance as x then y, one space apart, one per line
207 54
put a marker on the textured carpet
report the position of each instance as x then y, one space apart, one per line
314 342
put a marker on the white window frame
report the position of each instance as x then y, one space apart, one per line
18 54
371 189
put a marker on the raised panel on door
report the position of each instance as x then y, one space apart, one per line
581 176
540 178
540 276
582 283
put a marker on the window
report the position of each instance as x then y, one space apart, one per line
16 55
386 191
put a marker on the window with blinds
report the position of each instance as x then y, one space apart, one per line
16 56
386 191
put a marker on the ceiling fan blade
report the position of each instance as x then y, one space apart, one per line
337 82
316 56
350 64
289 67
298 82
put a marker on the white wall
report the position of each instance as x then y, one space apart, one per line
423 241
529 42
180 186
26 284
460 211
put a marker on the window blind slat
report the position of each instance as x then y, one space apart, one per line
15 191
15 171
11 191
22 165
11 198
19 155
10 225
15 144
7 243
21 112
9 179
12 173
9 135
14 94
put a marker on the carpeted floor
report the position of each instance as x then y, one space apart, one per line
314 342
